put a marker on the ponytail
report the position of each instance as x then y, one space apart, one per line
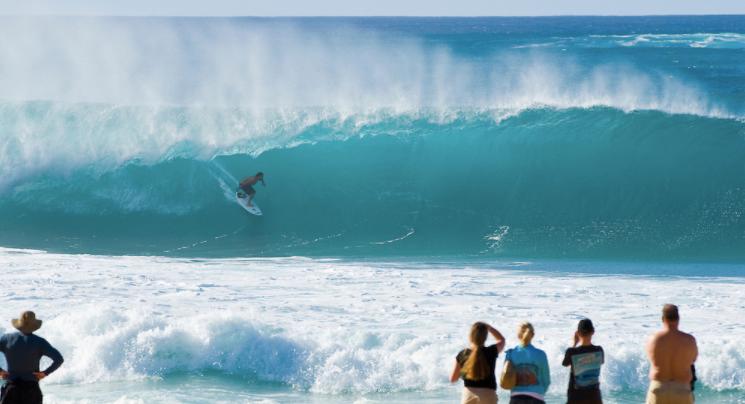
526 333
476 366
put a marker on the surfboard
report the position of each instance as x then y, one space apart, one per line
254 210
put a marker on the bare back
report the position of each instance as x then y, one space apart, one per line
252 180
671 353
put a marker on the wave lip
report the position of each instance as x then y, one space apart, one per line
592 182
62 137
224 87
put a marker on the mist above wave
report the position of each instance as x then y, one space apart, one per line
76 92
81 92
258 65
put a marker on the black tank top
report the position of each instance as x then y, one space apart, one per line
490 382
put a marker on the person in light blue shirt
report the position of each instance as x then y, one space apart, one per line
531 367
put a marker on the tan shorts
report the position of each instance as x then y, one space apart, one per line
478 395
669 393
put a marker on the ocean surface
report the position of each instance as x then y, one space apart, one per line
421 174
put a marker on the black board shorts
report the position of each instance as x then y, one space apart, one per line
20 392
248 189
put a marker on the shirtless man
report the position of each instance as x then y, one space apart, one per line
671 353
247 184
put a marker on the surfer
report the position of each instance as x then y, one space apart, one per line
246 186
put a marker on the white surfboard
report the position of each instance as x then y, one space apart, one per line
254 209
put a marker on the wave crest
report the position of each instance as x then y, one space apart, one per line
103 92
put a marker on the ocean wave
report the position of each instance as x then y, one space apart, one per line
151 345
46 136
114 132
338 362
109 345
100 92
425 187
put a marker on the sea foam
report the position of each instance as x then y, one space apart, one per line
335 327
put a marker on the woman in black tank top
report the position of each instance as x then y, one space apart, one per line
476 365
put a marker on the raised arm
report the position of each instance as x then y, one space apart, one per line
498 337
567 359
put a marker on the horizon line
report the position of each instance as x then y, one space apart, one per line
364 16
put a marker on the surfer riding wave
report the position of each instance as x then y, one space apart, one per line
245 188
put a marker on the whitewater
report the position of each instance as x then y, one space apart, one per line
346 331
422 174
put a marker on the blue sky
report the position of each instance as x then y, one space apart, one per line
369 7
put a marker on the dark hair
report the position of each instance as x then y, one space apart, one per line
585 327
259 174
670 312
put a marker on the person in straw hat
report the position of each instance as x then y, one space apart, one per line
23 350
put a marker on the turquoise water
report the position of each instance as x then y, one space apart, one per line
595 183
182 389
616 138
541 168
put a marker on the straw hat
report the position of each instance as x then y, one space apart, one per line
27 323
